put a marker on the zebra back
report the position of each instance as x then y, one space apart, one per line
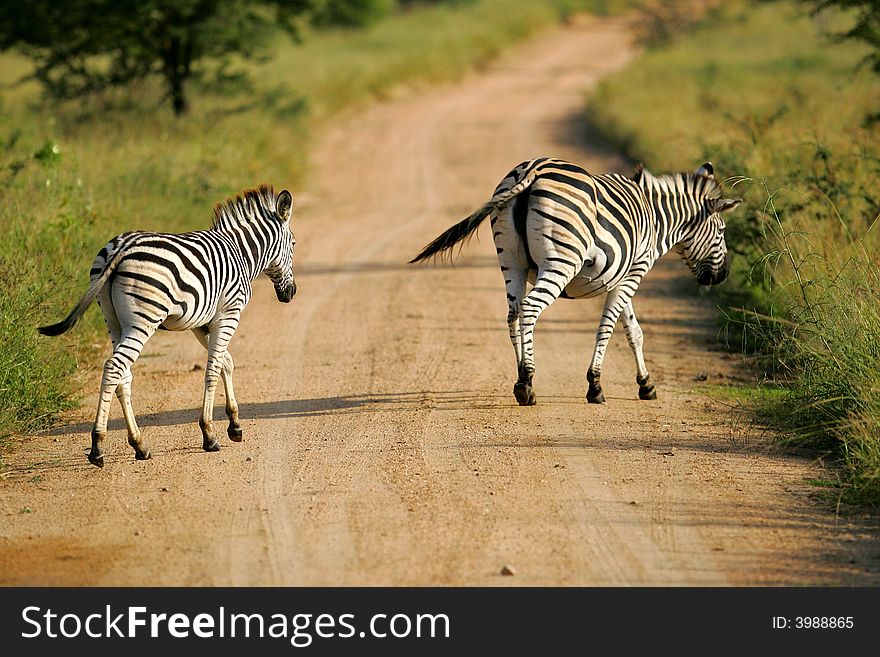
250 234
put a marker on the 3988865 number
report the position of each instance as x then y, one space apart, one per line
823 622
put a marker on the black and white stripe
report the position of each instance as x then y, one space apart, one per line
576 235
198 281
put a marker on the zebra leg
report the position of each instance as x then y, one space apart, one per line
615 302
234 430
99 429
515 282
635 337
514 266
117 369
219 336
123 394
116 378
544 292
516 288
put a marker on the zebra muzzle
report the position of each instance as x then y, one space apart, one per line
285 293
715 276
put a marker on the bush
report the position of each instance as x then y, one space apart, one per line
351 13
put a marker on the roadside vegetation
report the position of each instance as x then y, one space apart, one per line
76 172
790 120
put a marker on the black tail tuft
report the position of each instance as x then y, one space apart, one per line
57 329
70 321
445 241
452 236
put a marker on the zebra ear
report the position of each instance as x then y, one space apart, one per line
706 170
725 204
284 205
639 173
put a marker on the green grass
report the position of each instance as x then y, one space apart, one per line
74 175
342 69
738 394
778 108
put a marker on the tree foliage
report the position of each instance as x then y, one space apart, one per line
866 27
79 47
350 13
83 46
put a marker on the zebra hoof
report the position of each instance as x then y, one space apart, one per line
648 393
524 395
597 397
235 434
211 446
96 459
144 455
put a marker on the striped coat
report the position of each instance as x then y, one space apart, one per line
198 281
575 235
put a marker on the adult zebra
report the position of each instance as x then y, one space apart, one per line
575 235
199 281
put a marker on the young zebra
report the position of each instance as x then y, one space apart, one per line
199 281
575 235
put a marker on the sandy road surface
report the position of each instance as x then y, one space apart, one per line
382 442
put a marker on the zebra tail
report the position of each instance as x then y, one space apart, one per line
80 308
460 231
466 228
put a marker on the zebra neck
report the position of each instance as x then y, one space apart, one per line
674 214
252 243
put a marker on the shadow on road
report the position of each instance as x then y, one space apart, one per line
323 269
402 401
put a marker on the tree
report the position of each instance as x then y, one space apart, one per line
82 46
866 28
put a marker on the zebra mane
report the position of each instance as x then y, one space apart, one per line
251 204
698 184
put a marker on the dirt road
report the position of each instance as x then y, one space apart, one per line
383 445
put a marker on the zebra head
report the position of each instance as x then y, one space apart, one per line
279 268
702 246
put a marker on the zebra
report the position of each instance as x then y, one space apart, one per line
574 235
198 281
